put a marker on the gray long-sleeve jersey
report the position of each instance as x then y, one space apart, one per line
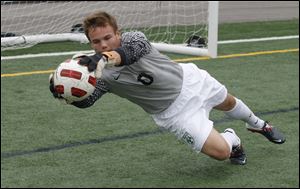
148 79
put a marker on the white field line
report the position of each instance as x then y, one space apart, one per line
43 55
258 39
90 51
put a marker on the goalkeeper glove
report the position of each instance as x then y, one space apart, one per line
112 58
54 92
97 62
89 61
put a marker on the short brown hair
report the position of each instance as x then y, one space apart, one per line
99 19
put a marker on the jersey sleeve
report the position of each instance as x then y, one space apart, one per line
134 45
100 90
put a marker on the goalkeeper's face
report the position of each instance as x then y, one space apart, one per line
104 38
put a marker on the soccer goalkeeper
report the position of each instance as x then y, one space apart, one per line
179 97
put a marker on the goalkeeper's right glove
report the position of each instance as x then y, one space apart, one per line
89 61
97 62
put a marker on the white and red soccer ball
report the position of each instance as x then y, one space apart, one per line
73 81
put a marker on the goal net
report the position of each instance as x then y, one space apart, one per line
188 27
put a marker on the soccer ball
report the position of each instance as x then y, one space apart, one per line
73 81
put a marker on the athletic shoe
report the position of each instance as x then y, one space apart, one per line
270 132
238 155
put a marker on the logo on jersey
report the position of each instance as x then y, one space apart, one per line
116 76
145 78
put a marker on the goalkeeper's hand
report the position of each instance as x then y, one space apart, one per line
112 58
54 92
89 61
98 62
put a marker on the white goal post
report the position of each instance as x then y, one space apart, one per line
185 27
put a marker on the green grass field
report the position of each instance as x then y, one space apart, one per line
116 144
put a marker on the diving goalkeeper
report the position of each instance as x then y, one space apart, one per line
179 97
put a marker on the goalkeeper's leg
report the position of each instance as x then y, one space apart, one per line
224 145
235 108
